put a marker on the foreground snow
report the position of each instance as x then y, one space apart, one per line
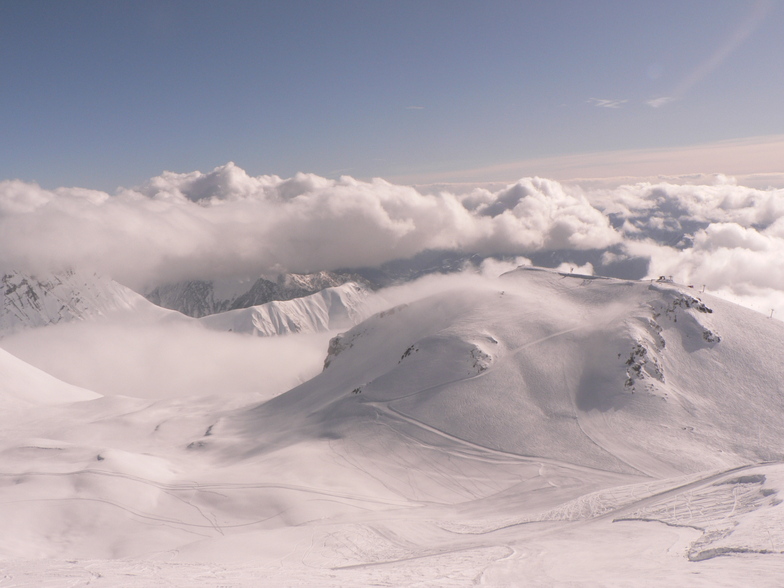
538 430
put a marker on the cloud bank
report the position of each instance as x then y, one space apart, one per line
227 223
180 360
726 237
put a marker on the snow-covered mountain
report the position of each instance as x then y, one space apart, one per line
540 429
199 298
580 378
36 301
332 308
637 377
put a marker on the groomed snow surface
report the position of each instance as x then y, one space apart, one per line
540 429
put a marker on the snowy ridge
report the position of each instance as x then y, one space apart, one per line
331 308
23 385
36 301
30 302
199 298
631 377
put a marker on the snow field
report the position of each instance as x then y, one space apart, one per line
541 430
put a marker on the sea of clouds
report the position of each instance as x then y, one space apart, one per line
726 237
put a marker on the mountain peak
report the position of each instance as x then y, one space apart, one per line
45 299
200 298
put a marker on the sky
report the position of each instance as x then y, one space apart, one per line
102 94
162 141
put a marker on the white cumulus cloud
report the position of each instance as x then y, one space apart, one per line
725 236
226 222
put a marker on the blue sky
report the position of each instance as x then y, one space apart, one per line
102 94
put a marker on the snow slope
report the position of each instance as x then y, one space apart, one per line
30 302
542 429
634 377
23 385
331 308
36 301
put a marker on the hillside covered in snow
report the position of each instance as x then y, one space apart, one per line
31 301
472 432
24 386
636 377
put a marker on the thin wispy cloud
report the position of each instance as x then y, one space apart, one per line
415 107
604 103
759 156
659 102
744 30
341 171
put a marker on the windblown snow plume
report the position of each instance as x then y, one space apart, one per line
226 223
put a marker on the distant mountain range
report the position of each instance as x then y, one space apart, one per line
311 303
332 308
199 298
36 301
